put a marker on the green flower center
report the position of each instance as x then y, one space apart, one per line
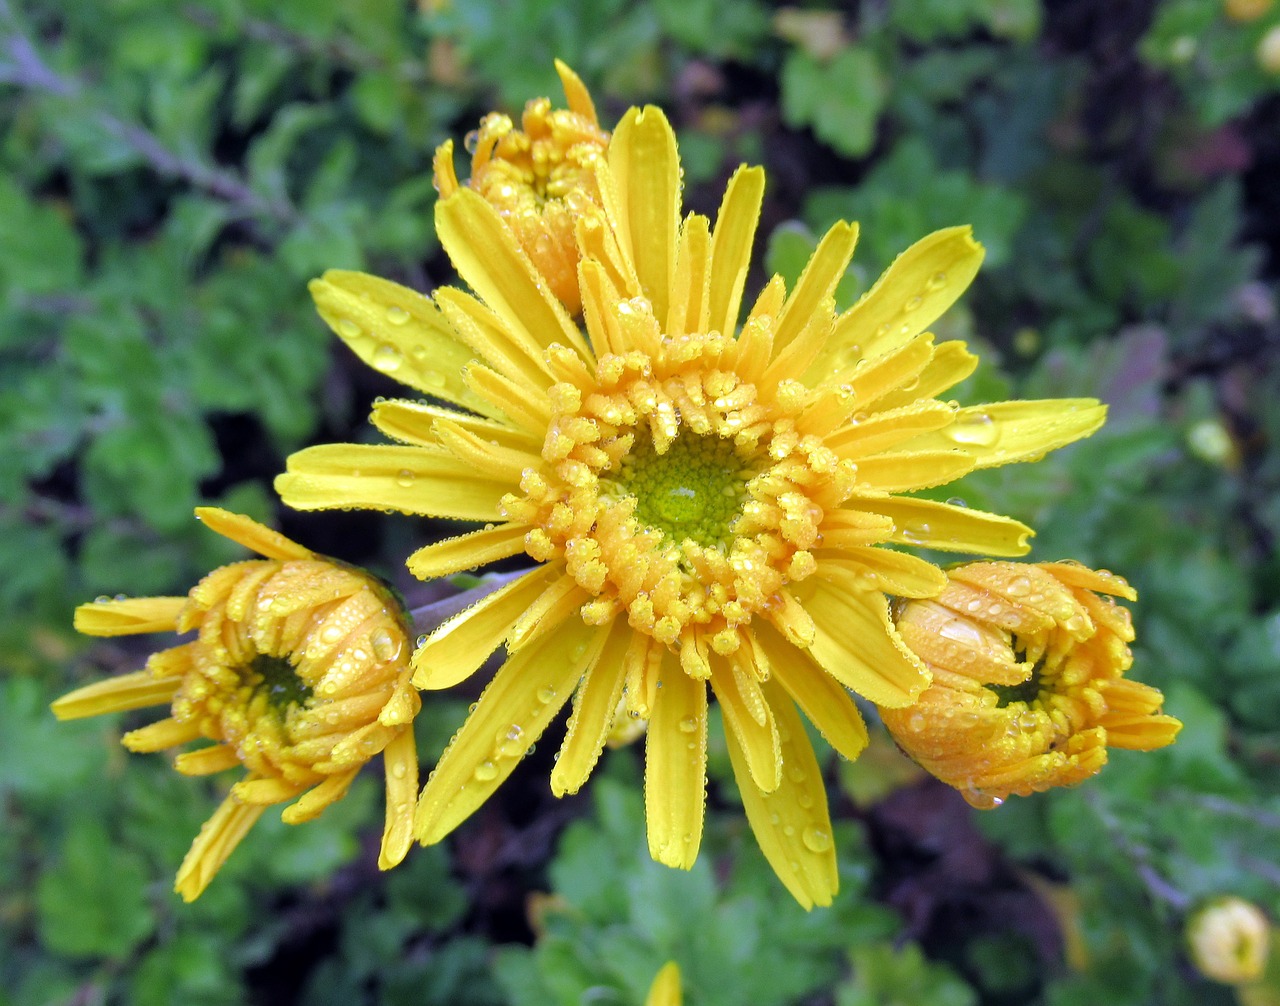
694 489
276 678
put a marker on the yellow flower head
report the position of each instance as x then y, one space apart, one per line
705 499
1028 685
1229 940
298 671
538 177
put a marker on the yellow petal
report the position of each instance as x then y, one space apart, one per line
949 528
400 762
594 705
575 92
888 373
252 535
731 242
675 768
691 285
467 551
903 471
913 293
527 411
646 170
952 363
562 598
524 696
817 283
417 480
856 642
317 799
396 331
216 841
129 616
493 461
457 648
824 700
884 569
665 990
792 824
413 422
166 733
757 738
882 431
128 691
207 761
1001 433
512 353
1103 581
488 257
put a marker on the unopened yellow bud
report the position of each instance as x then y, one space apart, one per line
1228 939
1246 10
1269 51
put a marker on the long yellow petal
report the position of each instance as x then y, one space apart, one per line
949 528
216 841
882 431
129 616
513 353
127 691
413 423
731 241
467 551
817 283
207 760
400 763
524 696
594 705
691 283
396 331
824 700
884 569
416 480
903 471
856 642
487 256
675 768
792 824
575 92
252 535
952 363
759 742
646 169
913 293
1001 433
458 647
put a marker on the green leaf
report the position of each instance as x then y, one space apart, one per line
92 897
841 99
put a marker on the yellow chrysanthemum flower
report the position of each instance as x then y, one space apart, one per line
665 990
299 671
1028 685
1229 940
539 177
705 503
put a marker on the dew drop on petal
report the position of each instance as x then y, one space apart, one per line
386 358
816 839
397 315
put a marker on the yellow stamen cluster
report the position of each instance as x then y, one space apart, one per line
683 492
538 177
1028 689
299 671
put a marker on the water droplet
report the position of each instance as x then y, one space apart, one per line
386 647
688 724
958 501
397 315
386 358
471 142
916 723
1019 586
405 478
509 742
974 428
399 770
913 304
486 771
348 329
961 631
816 840
545 695
421 640
937 281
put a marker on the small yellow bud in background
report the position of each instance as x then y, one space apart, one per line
1228 940
1211 441
1269 51
1246 10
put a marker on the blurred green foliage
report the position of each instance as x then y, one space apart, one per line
173 172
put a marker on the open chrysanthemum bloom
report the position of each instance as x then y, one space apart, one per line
538 177
1028 685
706 500
298 671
